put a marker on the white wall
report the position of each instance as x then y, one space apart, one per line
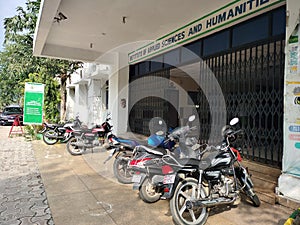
81 102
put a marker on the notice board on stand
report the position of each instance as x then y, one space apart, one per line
33 103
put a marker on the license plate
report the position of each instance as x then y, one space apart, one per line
136 178
169 179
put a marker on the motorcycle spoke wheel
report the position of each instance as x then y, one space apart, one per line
187 191
121 171
48 137
72 147
148 193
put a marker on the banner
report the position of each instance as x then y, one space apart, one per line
291 152
33 103
230 14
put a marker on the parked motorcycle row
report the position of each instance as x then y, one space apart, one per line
173 165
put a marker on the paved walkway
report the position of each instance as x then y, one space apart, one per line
22 194
81 190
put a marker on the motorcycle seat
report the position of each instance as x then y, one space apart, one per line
52 125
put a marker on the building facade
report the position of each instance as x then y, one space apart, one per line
240 59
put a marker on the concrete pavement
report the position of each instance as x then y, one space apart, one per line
81 190
22 194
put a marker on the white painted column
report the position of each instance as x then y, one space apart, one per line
81 99
94 102
289 181
118 94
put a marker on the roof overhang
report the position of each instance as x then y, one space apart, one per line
87 30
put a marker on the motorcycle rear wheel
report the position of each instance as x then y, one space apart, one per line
187 190
121 171
73 148
47 139
147 192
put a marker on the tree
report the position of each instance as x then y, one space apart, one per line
18 64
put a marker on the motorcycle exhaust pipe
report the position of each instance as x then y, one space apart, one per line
209 203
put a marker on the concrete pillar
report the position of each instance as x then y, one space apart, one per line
81 99
94 102
289 181
118 94
70 103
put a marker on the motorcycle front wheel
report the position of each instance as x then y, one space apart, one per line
50 137
121 171
187 190
253 197
73 148
148 193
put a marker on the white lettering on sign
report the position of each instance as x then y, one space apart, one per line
230 13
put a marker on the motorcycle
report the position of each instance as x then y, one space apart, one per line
217 178
123 149
52 133
89 138
151 173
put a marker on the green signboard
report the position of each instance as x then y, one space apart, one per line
33 103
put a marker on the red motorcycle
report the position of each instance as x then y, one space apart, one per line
89 138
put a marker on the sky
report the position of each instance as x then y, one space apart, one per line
8 9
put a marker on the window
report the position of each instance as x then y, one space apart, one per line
172 58
279 21
216 43
144 67
191 52
250 31
156 63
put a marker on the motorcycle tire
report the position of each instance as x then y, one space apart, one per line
255 200
72 148
187 190
121 171
147 192
47 139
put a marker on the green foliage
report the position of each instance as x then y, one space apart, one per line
18 65
32 131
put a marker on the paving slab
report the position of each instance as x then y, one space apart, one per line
23 198
42 184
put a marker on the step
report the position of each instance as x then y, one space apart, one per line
265 196
290 203
265 180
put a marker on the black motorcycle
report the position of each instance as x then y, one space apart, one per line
89 138
218 178
122 150
52 133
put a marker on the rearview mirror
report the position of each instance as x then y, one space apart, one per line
159 133
192 118
234 121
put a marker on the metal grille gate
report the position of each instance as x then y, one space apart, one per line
252 81
149 107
